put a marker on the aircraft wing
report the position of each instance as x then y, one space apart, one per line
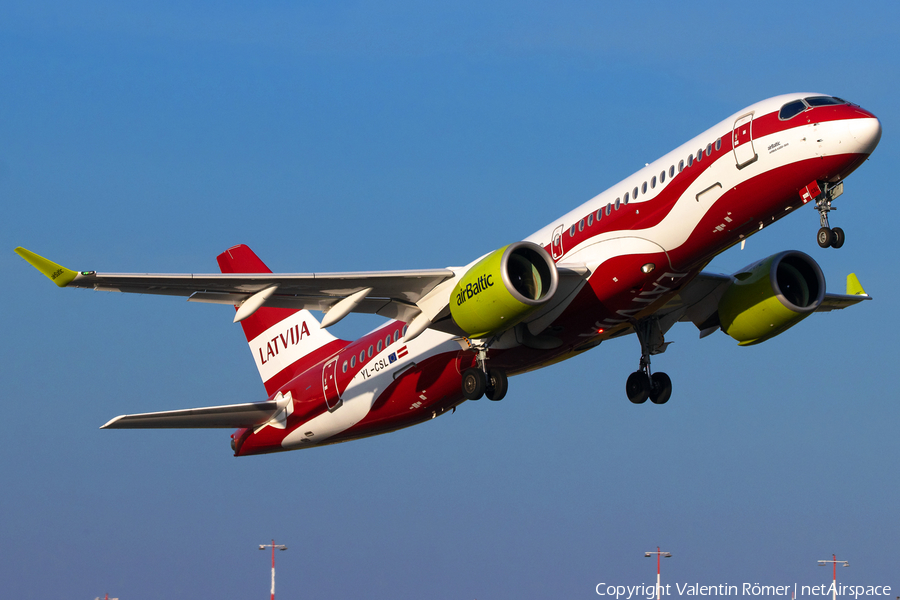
402 295
392 294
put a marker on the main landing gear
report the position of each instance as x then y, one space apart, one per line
828 237
643 384
480 381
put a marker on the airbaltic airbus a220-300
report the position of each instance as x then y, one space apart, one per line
629 260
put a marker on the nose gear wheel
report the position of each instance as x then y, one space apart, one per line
826 236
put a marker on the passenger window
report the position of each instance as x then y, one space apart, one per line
662 178
599 214
626 197
791 110
653 182
352 361
581 225
590 219
608 209
690 160
362 356
572 231
718 144
405 328
344 367
378 347
370 351
680 166
387 340
672 171
708 149
699 154
634 193
396 335
617 204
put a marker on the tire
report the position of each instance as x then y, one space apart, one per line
637 387
473 384
661 390
499 384
825 237
838 237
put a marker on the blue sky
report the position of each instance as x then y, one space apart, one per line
364 136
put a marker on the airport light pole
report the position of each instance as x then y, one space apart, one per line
658 554
273 545
835 562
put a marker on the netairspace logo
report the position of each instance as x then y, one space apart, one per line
626 592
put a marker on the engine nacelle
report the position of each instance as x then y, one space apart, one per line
503 288
771 296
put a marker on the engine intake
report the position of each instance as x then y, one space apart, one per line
503 288
771 296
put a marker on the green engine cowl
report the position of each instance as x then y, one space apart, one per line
771 296
503 288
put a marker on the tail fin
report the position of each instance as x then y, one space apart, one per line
285 342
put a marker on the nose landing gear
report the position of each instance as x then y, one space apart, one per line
828 237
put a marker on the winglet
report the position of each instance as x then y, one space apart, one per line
58 274
854 288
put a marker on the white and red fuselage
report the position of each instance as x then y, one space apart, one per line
641 241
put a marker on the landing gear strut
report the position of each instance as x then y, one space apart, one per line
480 381
827 236
643 384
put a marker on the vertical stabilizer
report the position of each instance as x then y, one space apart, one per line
284 342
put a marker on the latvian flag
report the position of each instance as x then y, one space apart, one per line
393 356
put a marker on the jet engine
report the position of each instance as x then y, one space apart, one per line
771 296
503 288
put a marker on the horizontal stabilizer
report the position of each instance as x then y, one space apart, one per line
233 416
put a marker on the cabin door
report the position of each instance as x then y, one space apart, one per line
556 246
329 385
742 141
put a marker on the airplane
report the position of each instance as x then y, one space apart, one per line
628 261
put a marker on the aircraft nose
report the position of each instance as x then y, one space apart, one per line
866 132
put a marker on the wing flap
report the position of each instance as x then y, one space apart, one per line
404 285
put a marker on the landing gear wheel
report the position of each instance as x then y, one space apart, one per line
660 388
497 385
473 384
837 237
826 237
638 387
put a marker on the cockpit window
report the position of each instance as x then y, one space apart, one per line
791 110
823 101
